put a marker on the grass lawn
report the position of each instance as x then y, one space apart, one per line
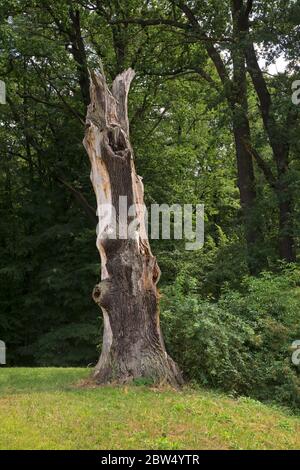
44 408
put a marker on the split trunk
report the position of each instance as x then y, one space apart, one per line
133 346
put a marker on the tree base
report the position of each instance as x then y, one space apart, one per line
158 369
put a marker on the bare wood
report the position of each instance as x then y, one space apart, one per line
133 346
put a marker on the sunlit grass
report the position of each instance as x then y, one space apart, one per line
45 409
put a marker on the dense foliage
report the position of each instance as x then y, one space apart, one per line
192 128
242 342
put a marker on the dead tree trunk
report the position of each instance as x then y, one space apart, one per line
133 346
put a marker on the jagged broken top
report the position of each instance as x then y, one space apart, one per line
109 108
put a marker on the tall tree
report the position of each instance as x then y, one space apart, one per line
277 131
133 346
227 35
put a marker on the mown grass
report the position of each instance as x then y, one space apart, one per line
43 408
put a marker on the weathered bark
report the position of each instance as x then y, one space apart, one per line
133 346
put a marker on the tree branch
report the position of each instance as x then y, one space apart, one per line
213 53
152 22
261 164
166 22
89 210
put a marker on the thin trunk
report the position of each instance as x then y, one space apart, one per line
246 177
246 185
79 54
278 138
236 94
127 294
238 101
286 240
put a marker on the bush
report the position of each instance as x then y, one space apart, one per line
242 342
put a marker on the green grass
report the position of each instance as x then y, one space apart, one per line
44 409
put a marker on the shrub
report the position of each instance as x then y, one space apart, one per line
240 343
